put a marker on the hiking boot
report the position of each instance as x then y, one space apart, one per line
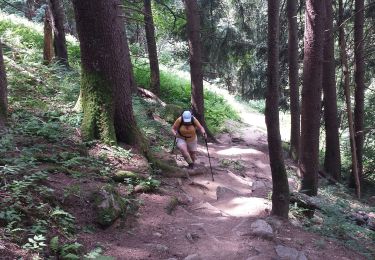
191 166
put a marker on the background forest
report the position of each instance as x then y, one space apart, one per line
46 92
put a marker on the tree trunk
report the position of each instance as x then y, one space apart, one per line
151 47
30 9
311 96
332 161
195 54
280 190
359 78
293 79
345 71
3 91
106 76
48 38
58 16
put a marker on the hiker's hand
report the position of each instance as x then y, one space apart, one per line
204 135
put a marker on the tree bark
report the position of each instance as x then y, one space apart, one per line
332 160
345 71
30 9
359 78
106 76
311 96
280 190
59 40
48 37
293 79
195 54
151 47
3 92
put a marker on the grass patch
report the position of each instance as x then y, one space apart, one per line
176 90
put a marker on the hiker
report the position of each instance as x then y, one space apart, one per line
184 130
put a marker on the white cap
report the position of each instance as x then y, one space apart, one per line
186 116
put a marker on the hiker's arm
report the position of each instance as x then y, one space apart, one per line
175 127
200 127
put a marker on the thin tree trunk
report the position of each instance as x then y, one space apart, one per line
48 37
30 9
280 186
195 54
3 92
151 47
311 96
359 78
58 16
345 71
332 161
106 76
293 79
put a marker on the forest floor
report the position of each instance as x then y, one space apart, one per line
198 218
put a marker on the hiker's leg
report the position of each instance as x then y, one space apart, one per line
182 146
192 148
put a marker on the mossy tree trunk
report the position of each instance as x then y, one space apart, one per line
106 76
48 37
3 92
57 10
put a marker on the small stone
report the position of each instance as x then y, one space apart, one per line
161 247
288 253
262 229
193 257
157 234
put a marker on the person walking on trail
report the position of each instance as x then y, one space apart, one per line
184 130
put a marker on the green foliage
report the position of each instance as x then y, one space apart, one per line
175 90
150 183
63 219
35 243
96 253
336 208
54 244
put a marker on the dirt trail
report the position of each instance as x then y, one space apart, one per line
213 220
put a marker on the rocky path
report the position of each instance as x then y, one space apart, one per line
225 219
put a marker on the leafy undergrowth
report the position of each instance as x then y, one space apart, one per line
47 174
335 219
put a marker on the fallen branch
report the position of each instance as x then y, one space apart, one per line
24 71
305 201
146 93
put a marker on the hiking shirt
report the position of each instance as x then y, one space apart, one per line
186 132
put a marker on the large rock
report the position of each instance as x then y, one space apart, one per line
262 229
288 253
108 205
225 193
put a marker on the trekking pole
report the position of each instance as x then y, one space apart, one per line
209 159
174 144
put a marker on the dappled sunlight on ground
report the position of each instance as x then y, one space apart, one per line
232 151
244 206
